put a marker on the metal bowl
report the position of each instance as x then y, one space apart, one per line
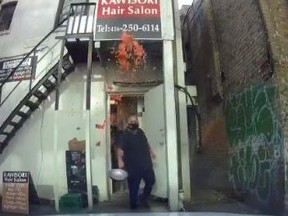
118 174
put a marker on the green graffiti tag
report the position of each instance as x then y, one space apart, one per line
255 138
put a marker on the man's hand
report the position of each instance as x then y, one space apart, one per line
152 154
120 155
121 164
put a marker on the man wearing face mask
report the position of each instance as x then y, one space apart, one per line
135 155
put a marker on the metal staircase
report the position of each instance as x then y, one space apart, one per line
32 101
27 95
54 64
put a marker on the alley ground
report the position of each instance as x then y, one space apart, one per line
208 201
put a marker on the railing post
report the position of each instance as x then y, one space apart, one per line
88 121
170 125
59 75
74 17
80 19
55 161
89 73
87 13
32 72
0 94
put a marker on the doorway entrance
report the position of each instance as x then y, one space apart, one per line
121 106
149 107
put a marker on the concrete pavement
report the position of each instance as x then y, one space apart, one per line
166 214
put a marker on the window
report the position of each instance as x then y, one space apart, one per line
6 15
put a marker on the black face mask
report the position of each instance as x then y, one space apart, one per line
133 126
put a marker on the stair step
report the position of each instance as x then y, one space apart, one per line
41 95
23 115
9 134
14 124
49 85
52 79
3 139
19 124
54 74
33 106
12 134
6 133
63 76
2 146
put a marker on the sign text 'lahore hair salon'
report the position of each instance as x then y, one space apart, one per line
141 18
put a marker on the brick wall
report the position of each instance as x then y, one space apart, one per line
209 171
201 59
242 43
231 61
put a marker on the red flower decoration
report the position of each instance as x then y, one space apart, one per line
130 54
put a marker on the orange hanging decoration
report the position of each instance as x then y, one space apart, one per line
117 98
131 55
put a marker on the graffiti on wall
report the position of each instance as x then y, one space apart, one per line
256 140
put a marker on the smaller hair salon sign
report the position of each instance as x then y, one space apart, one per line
25 71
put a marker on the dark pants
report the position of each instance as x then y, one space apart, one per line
134 180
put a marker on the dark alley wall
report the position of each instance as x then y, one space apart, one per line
209 169
228 57
275 14
243 44
256 145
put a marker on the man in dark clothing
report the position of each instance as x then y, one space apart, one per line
135 155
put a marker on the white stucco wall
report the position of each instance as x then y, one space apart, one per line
32 147
46 59
32 20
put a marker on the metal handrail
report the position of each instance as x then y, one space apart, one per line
79 4
33 50
84 10
43 39
10 93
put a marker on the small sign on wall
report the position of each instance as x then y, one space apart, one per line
25 71
15 195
